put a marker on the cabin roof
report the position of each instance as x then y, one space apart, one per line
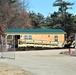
35 31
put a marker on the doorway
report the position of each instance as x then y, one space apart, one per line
16 40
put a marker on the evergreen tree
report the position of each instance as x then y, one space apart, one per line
64 19
37 20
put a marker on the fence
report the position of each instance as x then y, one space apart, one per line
39 43
7 47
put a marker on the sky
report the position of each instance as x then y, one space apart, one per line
45 7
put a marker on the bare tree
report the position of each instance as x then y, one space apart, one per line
13 16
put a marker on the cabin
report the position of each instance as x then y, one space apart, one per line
37 37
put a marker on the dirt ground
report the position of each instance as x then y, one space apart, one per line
10 70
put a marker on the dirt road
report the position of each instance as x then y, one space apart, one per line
42 62
11 70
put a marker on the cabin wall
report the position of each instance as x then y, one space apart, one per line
47 37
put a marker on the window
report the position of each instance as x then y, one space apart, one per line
9 37
56 38
30 37
27 37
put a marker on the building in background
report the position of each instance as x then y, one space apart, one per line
37 37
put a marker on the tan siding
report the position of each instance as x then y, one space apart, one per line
61 38
48 37
40 37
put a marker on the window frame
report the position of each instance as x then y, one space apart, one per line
56 38
28 37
